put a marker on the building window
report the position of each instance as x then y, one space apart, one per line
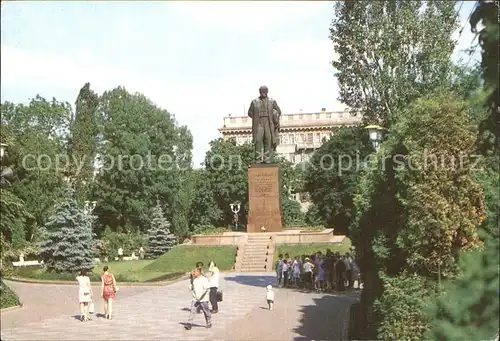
317 139
318 116
244 119
310 138
301 116
341 115
290 117
291 157
301 138
292 138
284 139
328 115
232 119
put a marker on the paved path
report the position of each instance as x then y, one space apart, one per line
158 313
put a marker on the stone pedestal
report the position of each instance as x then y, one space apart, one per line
264 207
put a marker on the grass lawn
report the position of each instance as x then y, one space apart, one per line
309 249
171 265
8 298
183 258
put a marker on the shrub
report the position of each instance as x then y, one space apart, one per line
402 308
8 298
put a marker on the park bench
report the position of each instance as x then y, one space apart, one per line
27 263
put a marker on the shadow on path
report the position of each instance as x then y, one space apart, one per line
326 319
256 281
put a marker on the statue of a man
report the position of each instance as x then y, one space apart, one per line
265 114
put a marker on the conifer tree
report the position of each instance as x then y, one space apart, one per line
160 238
68 238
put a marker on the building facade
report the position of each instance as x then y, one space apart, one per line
300 134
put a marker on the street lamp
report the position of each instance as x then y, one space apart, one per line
89 206
376 134
235 208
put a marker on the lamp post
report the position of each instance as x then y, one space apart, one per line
235 208
89 207
376 134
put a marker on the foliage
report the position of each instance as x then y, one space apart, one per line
333 173
37 135
111 241
209 229
183 258
292 213
226 170
83 140
68 238
204 210
144 155
418 206
309 249
313 216
14 216
403 307
8 297
390 53
486 13
160 239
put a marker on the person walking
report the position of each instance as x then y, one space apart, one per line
279 270
199 290
108 290
214 286
84 294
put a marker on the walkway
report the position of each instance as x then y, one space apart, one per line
158 313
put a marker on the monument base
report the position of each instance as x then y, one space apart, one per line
264 204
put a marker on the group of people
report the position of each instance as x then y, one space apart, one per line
320 272
204 288
86 295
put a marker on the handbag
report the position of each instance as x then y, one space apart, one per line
91 308
219 295
117 289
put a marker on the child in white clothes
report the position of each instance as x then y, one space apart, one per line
270 297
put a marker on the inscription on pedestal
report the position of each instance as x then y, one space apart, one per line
264 199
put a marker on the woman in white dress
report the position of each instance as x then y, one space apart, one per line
84 294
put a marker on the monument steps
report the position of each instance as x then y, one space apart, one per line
257 254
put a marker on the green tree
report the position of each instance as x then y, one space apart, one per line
68 238
226 166
37 154
160 239
204 208
390 53
469 309
139 150
83 140
333 173
486 13
422 178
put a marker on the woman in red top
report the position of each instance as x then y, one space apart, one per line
108 289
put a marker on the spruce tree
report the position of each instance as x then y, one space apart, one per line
160 238
68 238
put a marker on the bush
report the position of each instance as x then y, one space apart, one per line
8 298
401 308
111 241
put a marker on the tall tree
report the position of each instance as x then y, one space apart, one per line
417 209
391 52
138 155
37 150
333 173
68 238
83 140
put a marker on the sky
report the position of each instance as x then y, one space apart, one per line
199 60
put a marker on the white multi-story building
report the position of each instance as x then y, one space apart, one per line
300 134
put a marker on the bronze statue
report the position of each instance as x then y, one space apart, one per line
265 114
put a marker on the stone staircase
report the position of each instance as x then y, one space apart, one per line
257 254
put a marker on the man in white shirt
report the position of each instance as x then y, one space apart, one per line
199 289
